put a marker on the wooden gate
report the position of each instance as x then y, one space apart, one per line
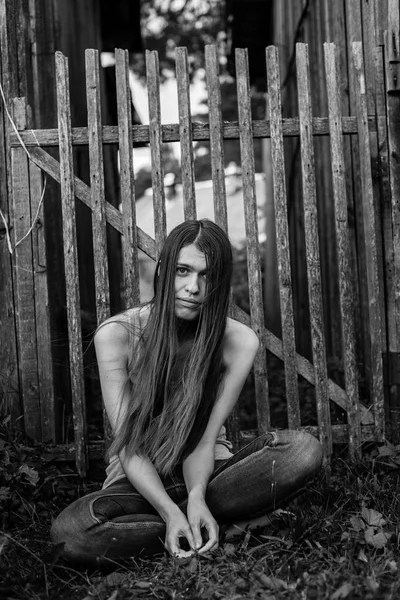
32 164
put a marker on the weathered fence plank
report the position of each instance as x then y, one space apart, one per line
97 186
128 199
392 239
346 275
252 243
312 247
282 236
25 295
10 392
155 139
201 132
216 137
42 309
370 225
185 134
71 263
99 223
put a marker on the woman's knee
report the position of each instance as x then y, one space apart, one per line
310 452
69 531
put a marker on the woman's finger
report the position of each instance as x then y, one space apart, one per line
213 538
197 538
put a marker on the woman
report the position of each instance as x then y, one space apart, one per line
171 371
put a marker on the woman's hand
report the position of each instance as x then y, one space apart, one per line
199 517
178 527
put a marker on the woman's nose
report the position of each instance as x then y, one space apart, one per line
193 284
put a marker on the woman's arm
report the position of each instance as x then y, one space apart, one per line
240 348
112 346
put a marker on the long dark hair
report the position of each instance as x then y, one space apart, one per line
165 419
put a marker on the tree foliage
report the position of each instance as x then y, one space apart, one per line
168 24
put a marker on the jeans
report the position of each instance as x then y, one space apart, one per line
117 523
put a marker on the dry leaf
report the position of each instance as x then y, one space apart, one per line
342 592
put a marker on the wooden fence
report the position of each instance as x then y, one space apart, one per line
31 159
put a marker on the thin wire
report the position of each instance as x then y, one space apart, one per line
11 249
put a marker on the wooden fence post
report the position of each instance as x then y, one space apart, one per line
392 68
71 263
312 249
370 235
9 380
24 283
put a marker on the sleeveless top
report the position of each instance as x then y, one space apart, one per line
115 471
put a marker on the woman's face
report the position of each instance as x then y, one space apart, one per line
190 282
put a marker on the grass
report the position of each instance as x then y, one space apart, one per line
340 539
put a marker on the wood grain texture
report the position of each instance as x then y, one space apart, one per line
346 274
71 263
128 199
9 382
25 296
185 134
42 309
252 243
97 186
282 238
370 226
216 137
155 139
312 247
200 132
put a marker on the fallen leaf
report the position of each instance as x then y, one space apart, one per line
362 556
31 474
372 517
342 592
192 566
357 523
387 450
229 549
378 540
372 583
273 583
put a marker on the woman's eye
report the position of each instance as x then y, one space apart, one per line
181 270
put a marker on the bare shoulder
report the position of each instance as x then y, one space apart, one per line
239 340
116 330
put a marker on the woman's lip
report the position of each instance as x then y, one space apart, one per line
187 302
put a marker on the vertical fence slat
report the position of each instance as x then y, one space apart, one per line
370 225
282 236
392 127
42 310
71 262
312 247
97 185
216 136
129 238
218 176
97 195
253 246
387 128
9 381
185 134
24 285
155 135
343 249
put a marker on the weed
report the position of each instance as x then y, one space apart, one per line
340 539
